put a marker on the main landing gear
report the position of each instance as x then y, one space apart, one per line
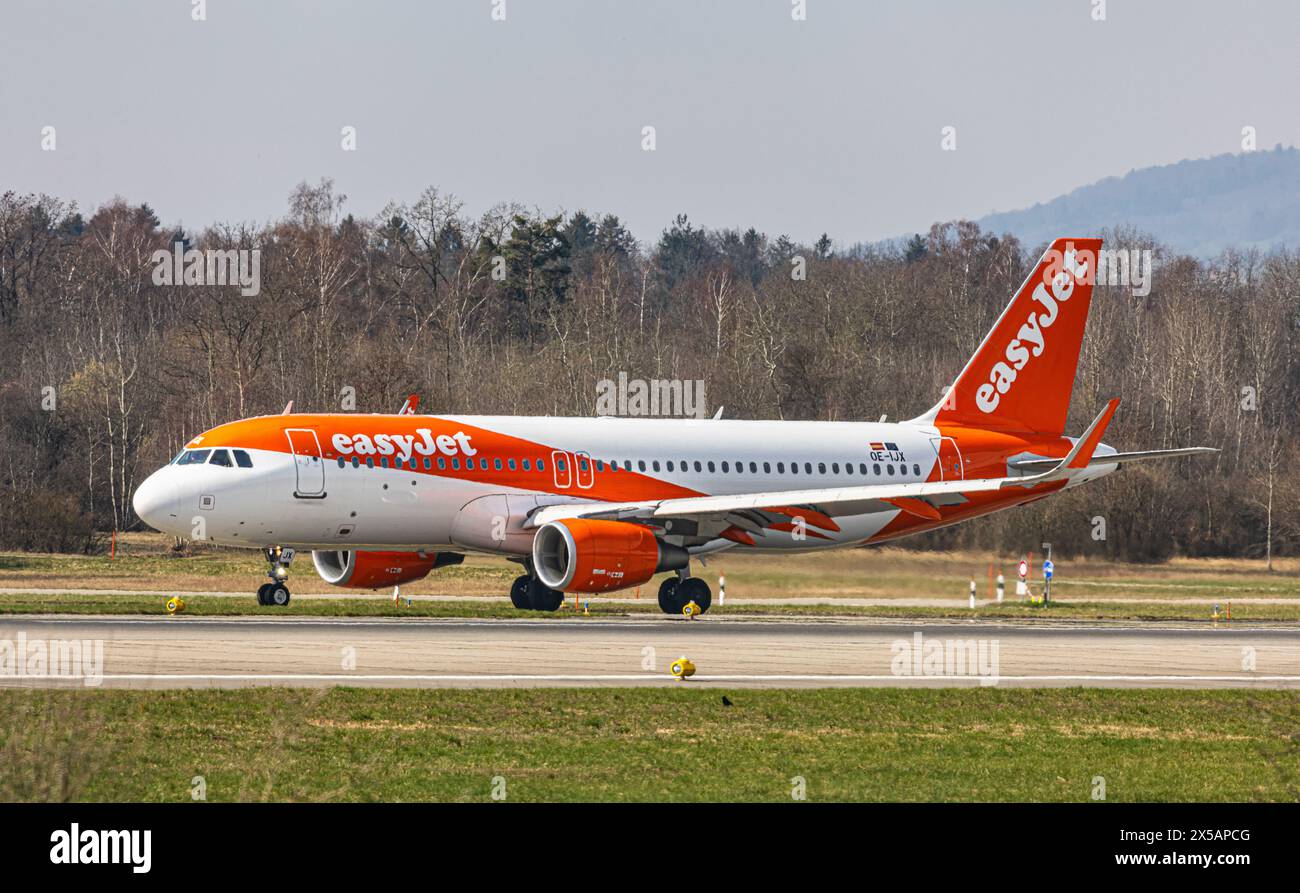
276 593
675 593
528 594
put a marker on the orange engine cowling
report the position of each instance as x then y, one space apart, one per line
580 555
374 570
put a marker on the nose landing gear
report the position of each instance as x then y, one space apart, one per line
276 593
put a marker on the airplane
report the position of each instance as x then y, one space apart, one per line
596 505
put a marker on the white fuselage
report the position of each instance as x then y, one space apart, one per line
337 500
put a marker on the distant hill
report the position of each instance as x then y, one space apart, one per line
1200 207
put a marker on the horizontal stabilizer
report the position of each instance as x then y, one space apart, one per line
1115 458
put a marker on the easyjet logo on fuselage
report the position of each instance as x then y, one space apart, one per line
1062 273
403 446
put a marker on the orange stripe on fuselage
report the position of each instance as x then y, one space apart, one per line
984 454
267 433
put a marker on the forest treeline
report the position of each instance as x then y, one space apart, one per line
104 374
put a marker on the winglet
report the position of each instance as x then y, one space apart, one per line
1081 455
409 407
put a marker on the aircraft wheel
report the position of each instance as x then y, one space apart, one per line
542 597
278 595
519 596
669 602
693 589
262 592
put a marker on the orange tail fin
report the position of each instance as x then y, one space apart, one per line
1021 377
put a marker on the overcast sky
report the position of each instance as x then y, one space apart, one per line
829 124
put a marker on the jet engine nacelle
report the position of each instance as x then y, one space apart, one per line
581 555
375 570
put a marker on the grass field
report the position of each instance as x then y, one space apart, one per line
650 744
145 561
1178 590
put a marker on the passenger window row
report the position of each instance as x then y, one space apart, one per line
821 468
414 464
889 469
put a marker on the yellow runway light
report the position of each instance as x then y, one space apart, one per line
682 668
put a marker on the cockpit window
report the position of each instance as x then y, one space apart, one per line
176 458
220 457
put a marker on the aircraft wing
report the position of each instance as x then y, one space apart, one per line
848 498
755 511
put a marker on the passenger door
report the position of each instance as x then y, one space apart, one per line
308 467
951 467
562 469
585 473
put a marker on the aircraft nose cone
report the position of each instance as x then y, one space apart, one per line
155 500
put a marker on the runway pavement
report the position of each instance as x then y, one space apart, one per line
202 652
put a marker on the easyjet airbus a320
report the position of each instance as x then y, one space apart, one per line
600 504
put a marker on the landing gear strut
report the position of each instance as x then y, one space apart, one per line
675 593
529 594
276 593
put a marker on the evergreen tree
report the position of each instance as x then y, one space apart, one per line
683 250
915 250
536 256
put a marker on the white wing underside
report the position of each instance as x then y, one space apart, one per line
830 500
